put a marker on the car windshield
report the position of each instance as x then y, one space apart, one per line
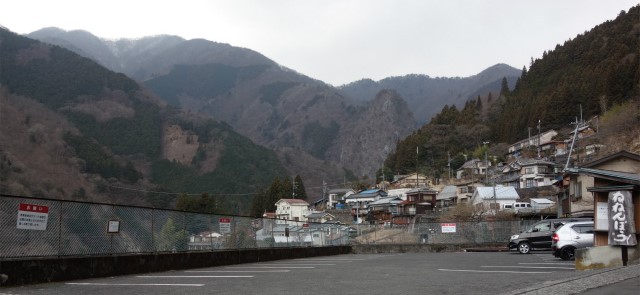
541 227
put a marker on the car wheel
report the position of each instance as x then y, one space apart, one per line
524 248
567 253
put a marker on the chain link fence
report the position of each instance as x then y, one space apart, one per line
35 227
431 232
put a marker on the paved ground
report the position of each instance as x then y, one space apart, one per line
407 273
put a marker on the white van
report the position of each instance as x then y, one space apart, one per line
518 207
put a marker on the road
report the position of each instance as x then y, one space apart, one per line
406 273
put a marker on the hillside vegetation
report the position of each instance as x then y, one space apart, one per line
598 72
81 121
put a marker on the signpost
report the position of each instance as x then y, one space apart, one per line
32 217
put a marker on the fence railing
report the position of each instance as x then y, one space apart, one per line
36 227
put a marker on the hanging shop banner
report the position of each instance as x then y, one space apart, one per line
621 223
33 217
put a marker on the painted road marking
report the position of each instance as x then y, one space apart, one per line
275 270
108 284
553 267
494 271
270 267
546 263
194 276
296 264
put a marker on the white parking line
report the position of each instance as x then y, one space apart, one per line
297 264
553 267
275 270
107 284
545 263
329 259
493 271
194 276
271 267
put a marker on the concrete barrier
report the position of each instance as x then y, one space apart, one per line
55 269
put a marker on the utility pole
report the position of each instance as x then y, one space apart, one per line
486 163
417 166
539 135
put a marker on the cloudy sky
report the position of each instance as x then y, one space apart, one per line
340 41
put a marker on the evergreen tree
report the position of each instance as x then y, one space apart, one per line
299 189
504 87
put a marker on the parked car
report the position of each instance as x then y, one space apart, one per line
571 236
539 235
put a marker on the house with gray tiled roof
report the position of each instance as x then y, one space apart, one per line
526 173
491 199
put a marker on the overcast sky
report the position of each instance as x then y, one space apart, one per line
340 41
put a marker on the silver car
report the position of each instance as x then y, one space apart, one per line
571 236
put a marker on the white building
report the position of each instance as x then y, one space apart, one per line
291 209
490 199
336 196
541 203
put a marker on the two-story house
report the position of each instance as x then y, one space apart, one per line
536 141
291 210
526 173
337 196
383 210
359 202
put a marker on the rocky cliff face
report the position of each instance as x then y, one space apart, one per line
373 134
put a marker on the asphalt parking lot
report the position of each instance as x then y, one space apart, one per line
405 273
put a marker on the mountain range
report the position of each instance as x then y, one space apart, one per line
277 107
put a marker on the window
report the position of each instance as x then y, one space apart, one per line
528 170
529 182
545 226
583 228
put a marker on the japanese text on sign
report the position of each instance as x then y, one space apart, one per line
33 217
448 227
621 223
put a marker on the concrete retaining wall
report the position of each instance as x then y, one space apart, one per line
605 257
42 270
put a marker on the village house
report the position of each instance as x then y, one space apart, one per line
574 199
536 141
359 202
411 180
383 210
337 196
464 190
291 210
472 168
491 199
420 201
527 173
616 203
320 217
